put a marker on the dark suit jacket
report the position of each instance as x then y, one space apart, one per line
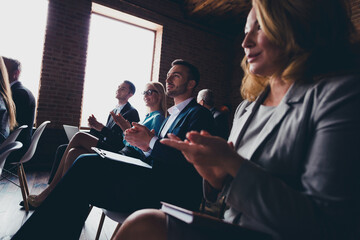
111 136
221 123
178 180
25 113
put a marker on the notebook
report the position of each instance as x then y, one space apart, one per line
70 131
204 221
119 157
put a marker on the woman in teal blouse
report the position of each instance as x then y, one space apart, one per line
155 100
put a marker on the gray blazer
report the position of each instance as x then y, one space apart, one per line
302 179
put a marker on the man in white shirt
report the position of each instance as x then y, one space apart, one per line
123 187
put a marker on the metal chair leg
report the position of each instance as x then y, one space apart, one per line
101 223
22 187
25 180
115 231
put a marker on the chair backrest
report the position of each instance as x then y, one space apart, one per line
34 141
5 150
12 137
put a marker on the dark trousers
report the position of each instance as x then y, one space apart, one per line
92 180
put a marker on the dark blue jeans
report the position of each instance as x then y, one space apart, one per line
91 180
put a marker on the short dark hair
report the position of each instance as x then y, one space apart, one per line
194 73
12 65
131 86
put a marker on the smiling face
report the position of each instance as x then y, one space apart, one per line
151 98
262 56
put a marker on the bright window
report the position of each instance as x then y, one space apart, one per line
120 47
23 24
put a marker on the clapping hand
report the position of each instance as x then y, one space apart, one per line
121 121
93 123
139 136
211 156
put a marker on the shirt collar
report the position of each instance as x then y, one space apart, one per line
12 83
179 107
152 113
120 107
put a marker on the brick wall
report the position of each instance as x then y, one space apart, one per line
63 67
355 8
217 55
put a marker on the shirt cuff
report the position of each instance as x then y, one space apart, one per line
151 145
152 142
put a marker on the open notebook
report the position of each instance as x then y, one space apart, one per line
119 157
70 131
204 221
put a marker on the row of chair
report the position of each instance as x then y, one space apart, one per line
10 145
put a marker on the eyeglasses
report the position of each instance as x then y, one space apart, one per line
149 92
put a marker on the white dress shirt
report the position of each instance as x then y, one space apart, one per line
174 112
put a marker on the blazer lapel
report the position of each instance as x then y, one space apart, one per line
250 110
125 108
182 115
179 117
163 125
111 123
294 94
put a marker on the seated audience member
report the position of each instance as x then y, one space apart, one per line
155 100
109 137
105 137
292 170
206 98
7 105
25 107
125 187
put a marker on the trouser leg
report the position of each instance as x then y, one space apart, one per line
91 180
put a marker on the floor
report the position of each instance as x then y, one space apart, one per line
12 216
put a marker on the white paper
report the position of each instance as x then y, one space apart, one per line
119 157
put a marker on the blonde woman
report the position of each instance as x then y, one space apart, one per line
7 105
155 100
290 168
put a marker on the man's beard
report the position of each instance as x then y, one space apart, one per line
177 91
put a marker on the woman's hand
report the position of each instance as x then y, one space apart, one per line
212 156
139 136
121 121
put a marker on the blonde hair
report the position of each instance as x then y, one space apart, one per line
313 34
6 94
159 87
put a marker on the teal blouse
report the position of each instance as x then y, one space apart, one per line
152 120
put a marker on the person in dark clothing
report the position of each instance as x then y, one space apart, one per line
108 137
205 98
25 108
119 186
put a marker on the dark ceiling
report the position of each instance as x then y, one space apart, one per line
227 16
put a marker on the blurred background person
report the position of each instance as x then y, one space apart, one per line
25 108
206 98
